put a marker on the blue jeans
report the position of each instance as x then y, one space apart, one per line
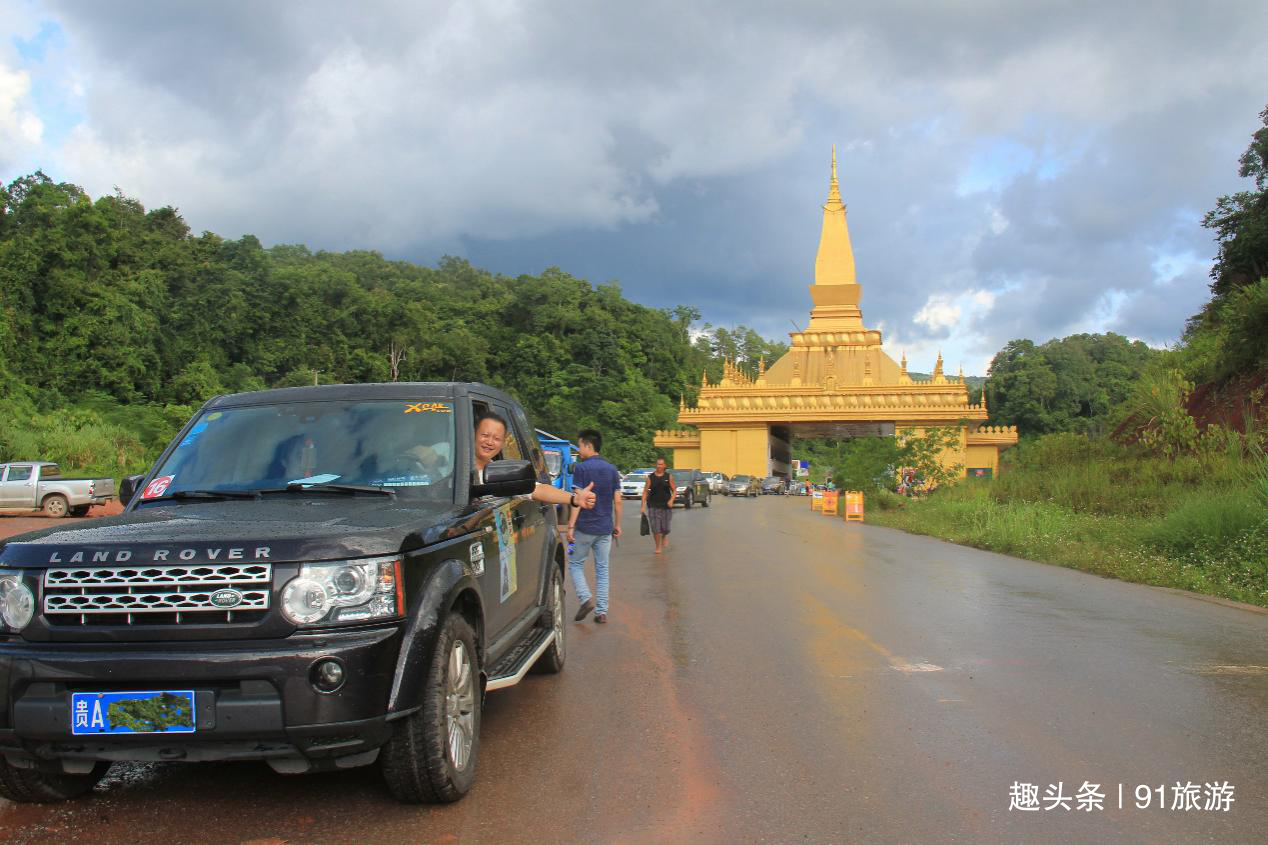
602 546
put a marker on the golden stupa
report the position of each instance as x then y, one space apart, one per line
835 381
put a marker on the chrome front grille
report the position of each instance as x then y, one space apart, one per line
156 594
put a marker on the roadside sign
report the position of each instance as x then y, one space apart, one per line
830 502
816 500
853 505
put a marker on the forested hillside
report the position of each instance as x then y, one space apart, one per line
118 321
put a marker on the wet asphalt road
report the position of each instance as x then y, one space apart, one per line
780 676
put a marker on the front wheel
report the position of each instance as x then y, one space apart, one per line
431 757
31 786
56 506
552 660
688 502
704 503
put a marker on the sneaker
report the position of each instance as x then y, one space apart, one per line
601 618
584 610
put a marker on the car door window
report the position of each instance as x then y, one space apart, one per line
19 474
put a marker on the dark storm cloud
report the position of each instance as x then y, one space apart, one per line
681 149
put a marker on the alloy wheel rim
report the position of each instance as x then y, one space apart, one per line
559 614
460 705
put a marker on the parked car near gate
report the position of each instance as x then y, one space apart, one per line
308 576
744 485
773 486
690 487
632 485
717 482
39 485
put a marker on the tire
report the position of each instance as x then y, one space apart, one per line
31 786
688 502
418 762
56 506
552 660
705 502
80 510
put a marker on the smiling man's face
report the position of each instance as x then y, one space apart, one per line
490 436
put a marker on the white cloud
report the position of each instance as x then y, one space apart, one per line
938 312
20 128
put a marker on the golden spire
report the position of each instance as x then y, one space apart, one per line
834 264
937 367
834 187
704 378
904 362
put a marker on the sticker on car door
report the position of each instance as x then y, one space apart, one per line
506 550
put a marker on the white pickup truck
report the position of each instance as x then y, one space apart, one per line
39 485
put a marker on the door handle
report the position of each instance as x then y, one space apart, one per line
518 521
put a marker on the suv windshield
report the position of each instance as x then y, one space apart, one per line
403 446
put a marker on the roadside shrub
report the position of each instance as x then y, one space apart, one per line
77 439
886 500
1207 523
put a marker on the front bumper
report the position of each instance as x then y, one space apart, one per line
253 699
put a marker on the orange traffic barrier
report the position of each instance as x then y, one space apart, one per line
816 500
830 503
854 506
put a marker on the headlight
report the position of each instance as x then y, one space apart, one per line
345 591
17 602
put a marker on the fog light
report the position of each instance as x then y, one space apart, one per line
327 675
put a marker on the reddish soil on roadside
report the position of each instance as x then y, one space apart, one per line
1231 403
20 522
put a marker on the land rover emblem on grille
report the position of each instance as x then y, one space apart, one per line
226 598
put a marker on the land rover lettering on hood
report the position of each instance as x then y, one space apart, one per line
308 577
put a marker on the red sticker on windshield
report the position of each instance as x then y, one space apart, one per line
157 487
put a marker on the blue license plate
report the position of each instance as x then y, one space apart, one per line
151 712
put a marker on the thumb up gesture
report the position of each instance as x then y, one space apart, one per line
585 496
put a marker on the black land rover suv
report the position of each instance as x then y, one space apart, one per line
307 576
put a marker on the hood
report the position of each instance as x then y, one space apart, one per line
249 531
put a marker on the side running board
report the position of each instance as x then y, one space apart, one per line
515 665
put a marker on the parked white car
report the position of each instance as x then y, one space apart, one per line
632 485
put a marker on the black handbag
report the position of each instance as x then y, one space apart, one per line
644 527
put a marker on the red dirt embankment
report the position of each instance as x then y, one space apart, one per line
20 522
1232 403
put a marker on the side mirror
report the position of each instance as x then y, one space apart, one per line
505 479
127 488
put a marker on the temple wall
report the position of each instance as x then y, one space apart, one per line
686 458
735 451
982 457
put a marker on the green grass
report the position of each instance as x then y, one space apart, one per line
1196 523
94 437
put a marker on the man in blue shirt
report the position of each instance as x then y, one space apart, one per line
594 529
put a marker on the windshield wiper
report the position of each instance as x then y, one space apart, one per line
346 489
207 495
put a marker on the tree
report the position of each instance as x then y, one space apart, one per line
1240 222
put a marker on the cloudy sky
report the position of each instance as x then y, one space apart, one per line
1011 169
